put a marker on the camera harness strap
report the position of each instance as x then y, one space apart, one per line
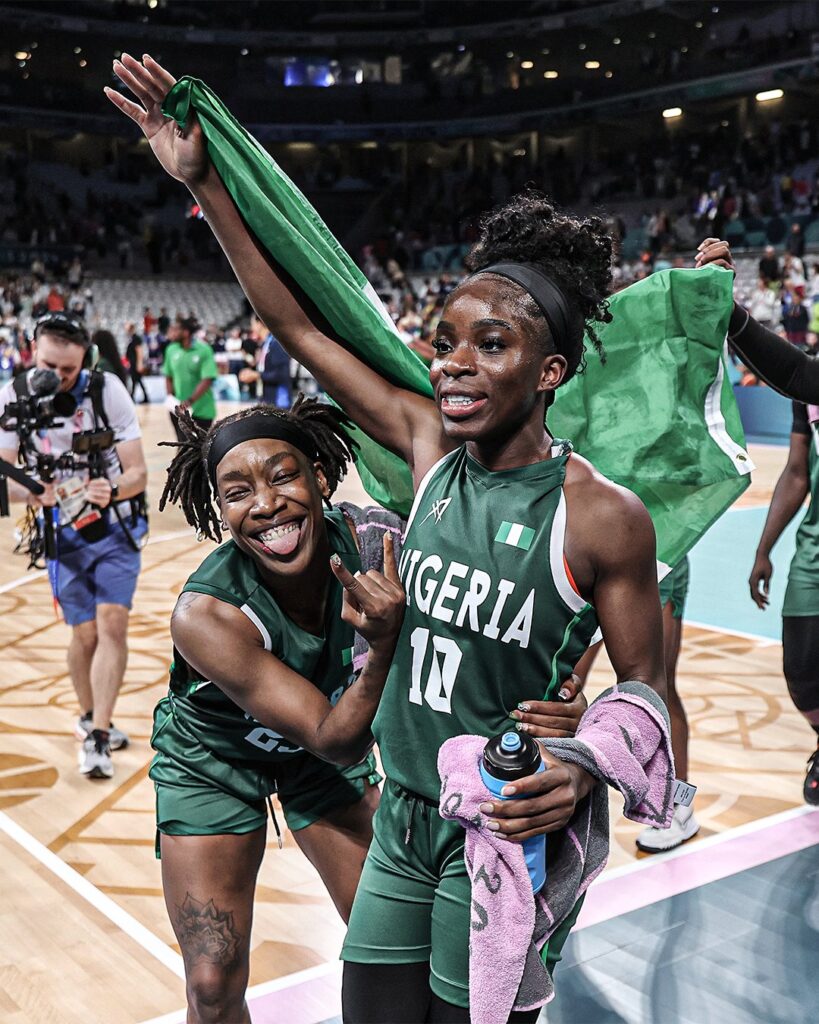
94 390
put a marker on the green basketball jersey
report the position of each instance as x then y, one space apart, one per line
327 661
802 594
492 618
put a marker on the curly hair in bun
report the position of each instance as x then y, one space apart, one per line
575 252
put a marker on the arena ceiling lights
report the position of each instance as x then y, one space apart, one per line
671 112
768 95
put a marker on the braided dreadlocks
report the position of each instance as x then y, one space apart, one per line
188 483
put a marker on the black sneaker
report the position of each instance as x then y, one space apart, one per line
811 788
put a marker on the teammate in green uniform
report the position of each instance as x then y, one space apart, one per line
800 610
515 551
260 696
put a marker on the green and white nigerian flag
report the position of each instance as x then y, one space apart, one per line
658 417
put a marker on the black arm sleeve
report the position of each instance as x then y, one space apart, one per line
801 424
777 362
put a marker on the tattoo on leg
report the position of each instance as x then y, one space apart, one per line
206 933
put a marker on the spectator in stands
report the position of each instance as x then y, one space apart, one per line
108 358
75 274
190 370
769 265
763 305
796 241
793 272
55 301
163 322
149 322
135 354
795 318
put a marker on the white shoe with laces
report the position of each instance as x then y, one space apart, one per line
95 757
117 738
658 840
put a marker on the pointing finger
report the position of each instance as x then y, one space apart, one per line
390 568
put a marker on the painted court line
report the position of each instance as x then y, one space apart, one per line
263 998
660 877
763 641
158 949
699 863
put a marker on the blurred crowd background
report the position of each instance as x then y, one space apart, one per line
673 121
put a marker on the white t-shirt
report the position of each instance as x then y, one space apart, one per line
118 406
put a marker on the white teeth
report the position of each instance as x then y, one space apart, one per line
279 531
459 400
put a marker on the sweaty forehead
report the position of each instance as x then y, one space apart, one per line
486 296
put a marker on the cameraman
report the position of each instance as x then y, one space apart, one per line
93 580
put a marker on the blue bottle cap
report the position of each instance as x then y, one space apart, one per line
511 741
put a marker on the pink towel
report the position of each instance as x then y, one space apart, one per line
624 740
503 905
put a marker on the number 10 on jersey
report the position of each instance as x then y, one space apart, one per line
439 674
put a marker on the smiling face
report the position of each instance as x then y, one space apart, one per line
271 498
491 369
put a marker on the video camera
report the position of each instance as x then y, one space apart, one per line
41 408
45 407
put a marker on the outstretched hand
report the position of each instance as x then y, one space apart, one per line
714 250
183 154
374 602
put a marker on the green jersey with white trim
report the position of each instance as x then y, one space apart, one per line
492 618
230 575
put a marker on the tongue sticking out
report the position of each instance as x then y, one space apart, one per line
283 543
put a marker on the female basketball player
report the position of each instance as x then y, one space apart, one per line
260 698
800 610
515 549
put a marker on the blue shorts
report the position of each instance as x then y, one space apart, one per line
85 575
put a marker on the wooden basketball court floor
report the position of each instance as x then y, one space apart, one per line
83 930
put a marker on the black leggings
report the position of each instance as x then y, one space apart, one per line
400 994
800 647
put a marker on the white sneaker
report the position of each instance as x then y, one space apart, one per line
683 826
117 739
95 757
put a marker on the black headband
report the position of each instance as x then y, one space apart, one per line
549 297
249 428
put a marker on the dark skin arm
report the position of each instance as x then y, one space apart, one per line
401 421
405 423
222 644
789 494
611 549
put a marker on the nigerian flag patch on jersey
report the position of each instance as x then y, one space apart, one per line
516 535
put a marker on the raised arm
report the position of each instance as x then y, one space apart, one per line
221 643
776 362
400 420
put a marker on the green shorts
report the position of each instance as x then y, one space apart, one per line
413 903
200 793
674 588
801 594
